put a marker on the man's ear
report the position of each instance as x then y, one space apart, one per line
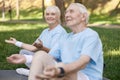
84 16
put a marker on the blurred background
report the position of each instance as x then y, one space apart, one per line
108 11
24 20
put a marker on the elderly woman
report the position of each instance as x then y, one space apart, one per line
47 39
80 52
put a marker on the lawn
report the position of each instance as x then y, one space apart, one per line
29 32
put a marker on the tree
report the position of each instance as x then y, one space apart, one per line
116 10
43 7
3 10
10 9
78 1
17 9
60 4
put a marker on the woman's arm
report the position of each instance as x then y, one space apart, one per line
21 44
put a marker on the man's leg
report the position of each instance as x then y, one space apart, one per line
76 76
82 76
40 60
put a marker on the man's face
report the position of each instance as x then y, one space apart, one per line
51 16
73 17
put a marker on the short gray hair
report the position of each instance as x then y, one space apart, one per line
82 9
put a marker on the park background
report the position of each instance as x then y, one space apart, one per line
23 19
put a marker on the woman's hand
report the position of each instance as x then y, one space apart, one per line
16 59
11 40
39 44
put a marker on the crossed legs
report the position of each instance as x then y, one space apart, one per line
42 59
27 53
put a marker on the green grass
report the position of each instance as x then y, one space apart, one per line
111 46
23 32
29 32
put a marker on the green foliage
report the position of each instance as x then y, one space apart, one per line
35 14
29 32
104 19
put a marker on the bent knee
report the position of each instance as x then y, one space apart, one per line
41 53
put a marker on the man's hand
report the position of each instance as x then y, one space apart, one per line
16 59
11 40
49 72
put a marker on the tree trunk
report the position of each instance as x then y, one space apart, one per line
78 1
60 4
43 8
116 10
17 10
10 9
3 10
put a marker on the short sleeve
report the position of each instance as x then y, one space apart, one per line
41 35
92 47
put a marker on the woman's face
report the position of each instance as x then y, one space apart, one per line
51 17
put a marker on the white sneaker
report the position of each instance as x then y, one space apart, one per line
22 71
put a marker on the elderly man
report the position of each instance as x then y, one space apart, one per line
47 39
77 56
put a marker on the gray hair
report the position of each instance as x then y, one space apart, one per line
82 9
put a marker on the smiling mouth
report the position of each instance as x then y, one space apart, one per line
68 20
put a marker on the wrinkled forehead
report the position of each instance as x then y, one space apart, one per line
72 7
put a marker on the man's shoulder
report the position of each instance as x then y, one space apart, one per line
90 32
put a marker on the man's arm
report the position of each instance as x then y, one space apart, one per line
61 69
77 65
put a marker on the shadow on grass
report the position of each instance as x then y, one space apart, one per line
111 47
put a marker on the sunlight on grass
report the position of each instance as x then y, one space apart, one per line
118 21
114 52
21 27
102 22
